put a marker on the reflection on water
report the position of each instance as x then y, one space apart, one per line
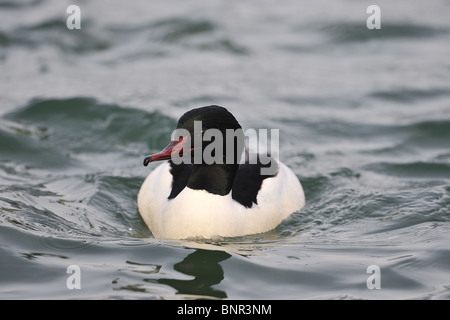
193 277
35 255
204 266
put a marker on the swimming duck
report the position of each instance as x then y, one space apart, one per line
189 196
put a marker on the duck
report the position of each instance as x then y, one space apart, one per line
205 189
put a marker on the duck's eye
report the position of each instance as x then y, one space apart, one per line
200 133
179 133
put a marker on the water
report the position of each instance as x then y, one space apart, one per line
364 119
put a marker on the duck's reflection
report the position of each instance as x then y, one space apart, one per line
204 266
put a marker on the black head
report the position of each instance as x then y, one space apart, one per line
212 129
211 117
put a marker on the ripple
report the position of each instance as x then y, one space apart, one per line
413 170
53 32
357 32
16 4
198 34
178 28
407 95
22 144
65 245
161 36
144 268
71 124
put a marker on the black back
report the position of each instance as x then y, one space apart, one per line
247 182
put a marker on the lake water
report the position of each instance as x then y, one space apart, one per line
364 120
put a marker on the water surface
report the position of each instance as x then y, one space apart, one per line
364 119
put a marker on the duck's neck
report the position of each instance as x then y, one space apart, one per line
215 178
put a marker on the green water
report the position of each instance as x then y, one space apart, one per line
364 123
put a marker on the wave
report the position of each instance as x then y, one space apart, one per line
410 95
358 32
78 162
53 32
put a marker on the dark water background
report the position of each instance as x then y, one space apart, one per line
364 119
